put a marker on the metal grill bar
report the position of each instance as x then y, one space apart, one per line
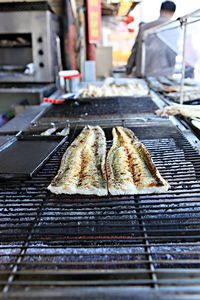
14 268
63 241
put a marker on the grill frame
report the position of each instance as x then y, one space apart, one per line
141 272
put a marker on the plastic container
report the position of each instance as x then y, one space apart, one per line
69 81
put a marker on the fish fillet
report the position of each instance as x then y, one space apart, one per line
82 169
130 168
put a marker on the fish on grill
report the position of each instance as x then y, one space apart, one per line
191 111
130 168
82 169
109 90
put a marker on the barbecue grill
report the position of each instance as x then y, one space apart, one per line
103 108
143 246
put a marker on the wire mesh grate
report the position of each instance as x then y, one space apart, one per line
57 241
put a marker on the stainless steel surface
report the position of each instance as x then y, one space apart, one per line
23 120
42 26
11 93
27 88
191 137
51 130
65 131
6 141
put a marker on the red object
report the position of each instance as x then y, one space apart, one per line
94 21
131 30
53 101
72 76
129 19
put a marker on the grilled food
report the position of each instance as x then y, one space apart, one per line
82 169
133 89
190 111
130 169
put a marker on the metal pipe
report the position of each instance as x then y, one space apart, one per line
143 58
184 24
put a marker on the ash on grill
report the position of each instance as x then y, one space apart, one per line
57 241
107 107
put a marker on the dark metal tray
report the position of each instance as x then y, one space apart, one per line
87 107
26 155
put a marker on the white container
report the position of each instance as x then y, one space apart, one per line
69 81
74 84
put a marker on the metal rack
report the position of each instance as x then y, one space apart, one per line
72 246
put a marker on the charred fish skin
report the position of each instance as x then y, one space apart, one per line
150 180
120 180
158 184
92 177
130 168
82 169
67 177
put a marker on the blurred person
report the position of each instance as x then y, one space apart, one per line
159 59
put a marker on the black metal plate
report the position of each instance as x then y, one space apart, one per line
102 106
25 156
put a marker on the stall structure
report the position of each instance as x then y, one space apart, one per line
180 85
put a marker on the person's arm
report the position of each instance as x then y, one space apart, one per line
171 57
132 58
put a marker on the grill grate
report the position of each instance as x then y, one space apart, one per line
23 6
50 242
110 106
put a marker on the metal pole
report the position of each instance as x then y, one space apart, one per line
143 58
184 24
